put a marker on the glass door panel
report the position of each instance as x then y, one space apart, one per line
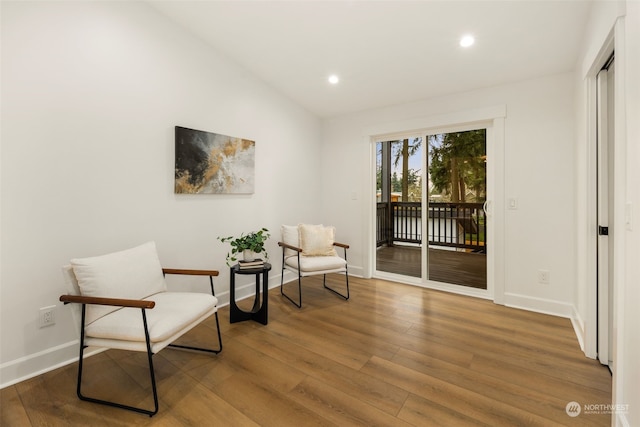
456 221
399 206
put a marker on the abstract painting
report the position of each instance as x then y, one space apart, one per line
211 163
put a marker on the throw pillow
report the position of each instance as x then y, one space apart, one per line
316 240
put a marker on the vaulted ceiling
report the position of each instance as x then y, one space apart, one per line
386 52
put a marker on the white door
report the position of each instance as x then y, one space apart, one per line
605 122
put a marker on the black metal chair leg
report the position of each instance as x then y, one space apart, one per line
299 303
346 273
206 350
324 283
115 404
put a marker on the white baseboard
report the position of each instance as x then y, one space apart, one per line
539 305
551 307
39 363
578 326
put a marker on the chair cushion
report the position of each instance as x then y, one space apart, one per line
316 240
173 312
290 237
317 263
130 274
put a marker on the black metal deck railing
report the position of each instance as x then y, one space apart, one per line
459 225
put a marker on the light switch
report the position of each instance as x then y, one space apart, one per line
512 203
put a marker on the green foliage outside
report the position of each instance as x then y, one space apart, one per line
409 189
457 166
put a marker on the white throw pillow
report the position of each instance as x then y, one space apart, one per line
130 274
316 240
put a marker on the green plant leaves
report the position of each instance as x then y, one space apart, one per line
253 241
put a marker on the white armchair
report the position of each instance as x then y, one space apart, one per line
310 250
123 303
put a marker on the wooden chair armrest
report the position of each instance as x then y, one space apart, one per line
342 245
285 245
134 303
190 272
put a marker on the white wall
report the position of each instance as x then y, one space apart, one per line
91 92
539 172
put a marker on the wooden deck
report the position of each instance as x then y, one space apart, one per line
458 268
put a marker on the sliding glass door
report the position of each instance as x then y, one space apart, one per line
430 217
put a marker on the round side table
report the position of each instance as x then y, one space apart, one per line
259 312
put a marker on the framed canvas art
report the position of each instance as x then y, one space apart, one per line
211 163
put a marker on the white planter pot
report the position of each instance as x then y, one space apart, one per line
248 255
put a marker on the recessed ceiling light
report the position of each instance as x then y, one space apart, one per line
333 79
467 41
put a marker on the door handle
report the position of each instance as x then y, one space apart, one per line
603 231
485 208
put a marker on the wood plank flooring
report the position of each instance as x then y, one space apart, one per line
393 355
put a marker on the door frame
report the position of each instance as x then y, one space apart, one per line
491 118
589 331
605 200
614 42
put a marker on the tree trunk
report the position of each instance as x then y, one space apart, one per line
455 181
405 170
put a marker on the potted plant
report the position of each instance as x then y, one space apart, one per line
249 244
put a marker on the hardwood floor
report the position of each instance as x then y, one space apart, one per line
392 355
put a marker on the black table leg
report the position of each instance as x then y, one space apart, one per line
259 311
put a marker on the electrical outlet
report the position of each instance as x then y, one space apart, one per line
47 316
543 277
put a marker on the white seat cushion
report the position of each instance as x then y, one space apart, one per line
173 312
317 263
